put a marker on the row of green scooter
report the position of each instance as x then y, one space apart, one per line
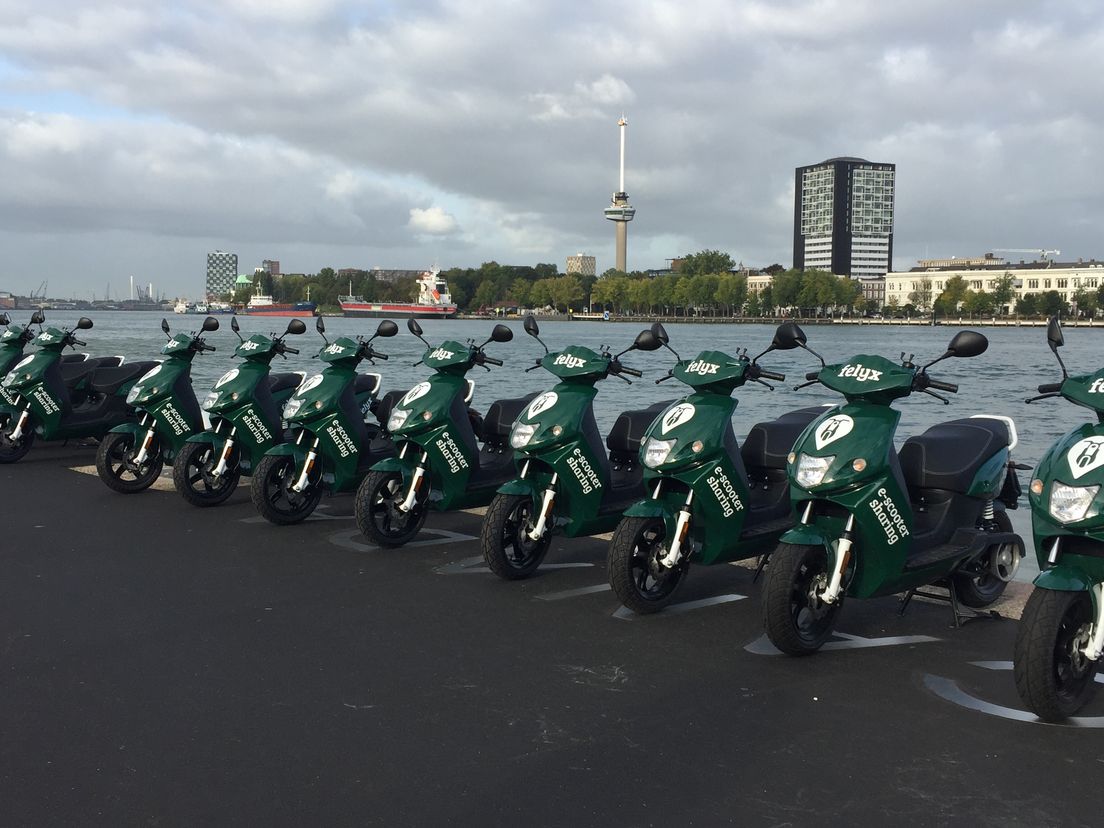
822 491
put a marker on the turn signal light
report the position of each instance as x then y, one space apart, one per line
1036 486
858 464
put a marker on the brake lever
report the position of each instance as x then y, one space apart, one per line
664 379
485 367
939 397
1052 394
415 364
769 386
805 385
629 381
534 368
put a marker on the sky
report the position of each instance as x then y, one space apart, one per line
137 136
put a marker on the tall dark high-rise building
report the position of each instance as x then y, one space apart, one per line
843 217
222 269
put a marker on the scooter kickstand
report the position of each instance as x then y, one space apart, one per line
760 566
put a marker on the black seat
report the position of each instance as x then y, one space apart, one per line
385 404
948 455
501 417
365 382
627 433
73 373
109 380
768 444
281 382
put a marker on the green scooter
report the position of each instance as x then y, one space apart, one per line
46 397
244 408
566 482
1061 634
710 500
335 437
131 456
872 522
440 463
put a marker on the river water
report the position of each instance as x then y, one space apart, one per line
997 382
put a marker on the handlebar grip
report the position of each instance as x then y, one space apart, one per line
772 375
632 372
812 375
378 355
1050 387
492 360
78 341
290 350
949 387
207 347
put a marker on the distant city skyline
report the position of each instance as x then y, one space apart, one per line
137 137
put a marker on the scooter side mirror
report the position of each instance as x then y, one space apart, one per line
210 324
788 336
319 325
165 327
413 326
234 326
646 341
530 325
84 323
660 333
967 344
386 328
38 317
501 333
1054 333
295 326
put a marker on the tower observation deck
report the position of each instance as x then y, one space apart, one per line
620 211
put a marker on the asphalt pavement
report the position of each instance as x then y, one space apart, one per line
167 665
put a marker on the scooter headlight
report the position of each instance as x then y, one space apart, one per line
133 394
656 452
1070 503
811 470
210 400
521 434
397 418
292 407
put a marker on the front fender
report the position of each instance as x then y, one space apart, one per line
1064 579
806 534
392 464
287 450
216 440
129 428
650 509
519 486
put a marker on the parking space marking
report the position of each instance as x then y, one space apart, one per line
318 514
1007 665
949 690
626 614
573 593
354 540
763 646
476 563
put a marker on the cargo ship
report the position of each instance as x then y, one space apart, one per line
261 304
432 302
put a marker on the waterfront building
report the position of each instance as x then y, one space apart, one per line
757 282
843 217
582 265
271 267
873 290
222 269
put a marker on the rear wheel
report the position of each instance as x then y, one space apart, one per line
117 465
378 514
504 539
643 584
272 493
1052 676
995 569
12 451
796 620
193 478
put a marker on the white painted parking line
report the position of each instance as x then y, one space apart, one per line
626 614
573 593
949 690
354 540
762 645
476 564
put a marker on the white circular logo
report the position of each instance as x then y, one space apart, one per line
675 416
309 383
152 372
542 403
417 392
832 429
227 377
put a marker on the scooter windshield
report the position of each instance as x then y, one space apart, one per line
711 367
576 361
1086 390
866 375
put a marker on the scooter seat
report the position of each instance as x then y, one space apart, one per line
948 455
73 373
501 417
110 380
768 444
282 382
366 382
627 433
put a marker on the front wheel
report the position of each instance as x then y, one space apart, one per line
643 584
797 621
378 514
193 478
273 493
504 538
118 467
12 451
1053 677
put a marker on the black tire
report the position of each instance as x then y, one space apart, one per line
192 474
506 548
1052 678
12 451
273 496
795 623
979 590
378 514
640 581
117 469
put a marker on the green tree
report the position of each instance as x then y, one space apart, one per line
785 288
978 303
705 261
540 295
1085 302
1051 303
922 296
520 289
1003 293
566 291
1028 304
954 293
731 292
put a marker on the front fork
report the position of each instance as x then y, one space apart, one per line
1094 647
308 465
832 592
224 458
143 453
17 432
415 484
682 529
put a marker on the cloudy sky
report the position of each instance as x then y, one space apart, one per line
136 136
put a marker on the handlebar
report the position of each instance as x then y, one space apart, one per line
492 360
632 372
203 346
772 375
1050 387
812 375
76 341
377 355
950 387
290 350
